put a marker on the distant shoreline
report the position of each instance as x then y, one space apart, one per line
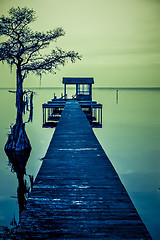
129 88
102 88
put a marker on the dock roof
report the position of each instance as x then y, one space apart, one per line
76 80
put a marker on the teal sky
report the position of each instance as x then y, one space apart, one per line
118 39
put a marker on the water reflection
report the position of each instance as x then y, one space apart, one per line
18 161
130 136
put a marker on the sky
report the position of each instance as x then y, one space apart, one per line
118 39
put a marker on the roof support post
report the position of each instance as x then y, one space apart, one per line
90 90
65 91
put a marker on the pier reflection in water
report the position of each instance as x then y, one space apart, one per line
18 161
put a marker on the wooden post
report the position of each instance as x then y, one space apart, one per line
65 91
76 90
90 86
117 96
101 115
98 116
43 115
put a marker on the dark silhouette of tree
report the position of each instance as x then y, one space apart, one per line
23 49
18 161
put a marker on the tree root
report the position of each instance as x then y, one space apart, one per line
17 139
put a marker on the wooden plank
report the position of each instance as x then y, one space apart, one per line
77 193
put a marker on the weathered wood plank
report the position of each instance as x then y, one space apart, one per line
77 193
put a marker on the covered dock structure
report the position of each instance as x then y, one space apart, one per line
83 94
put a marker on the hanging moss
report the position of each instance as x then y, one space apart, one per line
31 108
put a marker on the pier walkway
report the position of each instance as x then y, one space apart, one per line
77 193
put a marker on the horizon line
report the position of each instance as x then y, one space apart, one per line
93 87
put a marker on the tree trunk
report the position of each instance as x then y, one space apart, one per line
17 139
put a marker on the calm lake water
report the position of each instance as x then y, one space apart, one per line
130 136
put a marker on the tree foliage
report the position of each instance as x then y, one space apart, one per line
23 46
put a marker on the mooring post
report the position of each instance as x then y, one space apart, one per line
117 96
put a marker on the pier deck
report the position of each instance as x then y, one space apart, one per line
77 193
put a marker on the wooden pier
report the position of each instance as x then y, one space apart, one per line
77 192
52 109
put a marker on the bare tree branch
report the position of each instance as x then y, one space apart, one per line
24 49
24 46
